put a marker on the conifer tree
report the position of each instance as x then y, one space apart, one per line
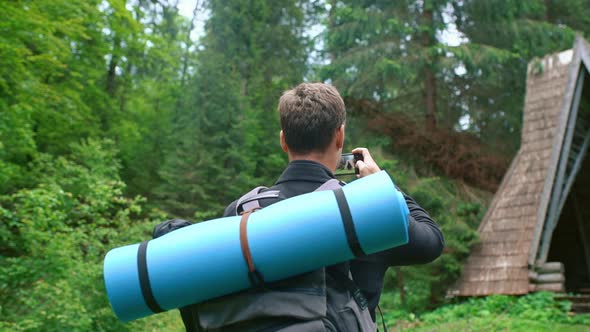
388 51
504 36
227 137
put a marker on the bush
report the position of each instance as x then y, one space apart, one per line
53 238
423 287
533 312
540 307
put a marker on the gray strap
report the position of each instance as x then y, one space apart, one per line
247 196
254 202
331 184
252 199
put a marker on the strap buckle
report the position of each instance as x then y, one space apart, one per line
256 280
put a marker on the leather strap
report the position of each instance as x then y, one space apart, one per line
254 275
351 236
144 280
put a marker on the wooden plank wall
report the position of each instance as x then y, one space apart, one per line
499 264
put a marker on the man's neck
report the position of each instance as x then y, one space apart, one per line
322 158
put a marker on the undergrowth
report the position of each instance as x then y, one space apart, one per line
533 312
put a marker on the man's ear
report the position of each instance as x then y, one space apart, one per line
340 137
283 142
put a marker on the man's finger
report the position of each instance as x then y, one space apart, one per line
362 168
363 151
366 166
366 154
360 164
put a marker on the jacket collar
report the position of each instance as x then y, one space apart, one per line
305 170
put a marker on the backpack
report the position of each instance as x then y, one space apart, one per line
322 300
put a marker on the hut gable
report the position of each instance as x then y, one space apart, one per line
516 224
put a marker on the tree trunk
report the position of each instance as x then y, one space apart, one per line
189 43
430 97
400 285
112 73
331 25
428 41
185 58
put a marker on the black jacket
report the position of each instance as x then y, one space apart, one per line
425 238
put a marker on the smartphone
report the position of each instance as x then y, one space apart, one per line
347 163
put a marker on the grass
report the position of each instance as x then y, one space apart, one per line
533 312
488 325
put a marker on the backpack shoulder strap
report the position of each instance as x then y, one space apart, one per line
252 199
336 280
330 185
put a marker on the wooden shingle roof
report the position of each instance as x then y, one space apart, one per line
513 225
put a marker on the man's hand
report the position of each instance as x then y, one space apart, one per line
367 166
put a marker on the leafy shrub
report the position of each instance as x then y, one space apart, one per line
540 307
424 286
533 312
53 238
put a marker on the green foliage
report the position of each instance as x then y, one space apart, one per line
53 238
40 101
393 53
537 311
504 35
152 93
458 216
229 133
103 103
388 51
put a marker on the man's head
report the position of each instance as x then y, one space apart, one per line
312 120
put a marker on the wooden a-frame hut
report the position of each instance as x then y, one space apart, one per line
536 232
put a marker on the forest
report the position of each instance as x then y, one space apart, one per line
116 115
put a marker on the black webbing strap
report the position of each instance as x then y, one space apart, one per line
339 280
144 280
351 236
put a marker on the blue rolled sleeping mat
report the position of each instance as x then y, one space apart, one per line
293 236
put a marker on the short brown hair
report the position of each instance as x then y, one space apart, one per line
310 114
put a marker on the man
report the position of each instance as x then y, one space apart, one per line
312 118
